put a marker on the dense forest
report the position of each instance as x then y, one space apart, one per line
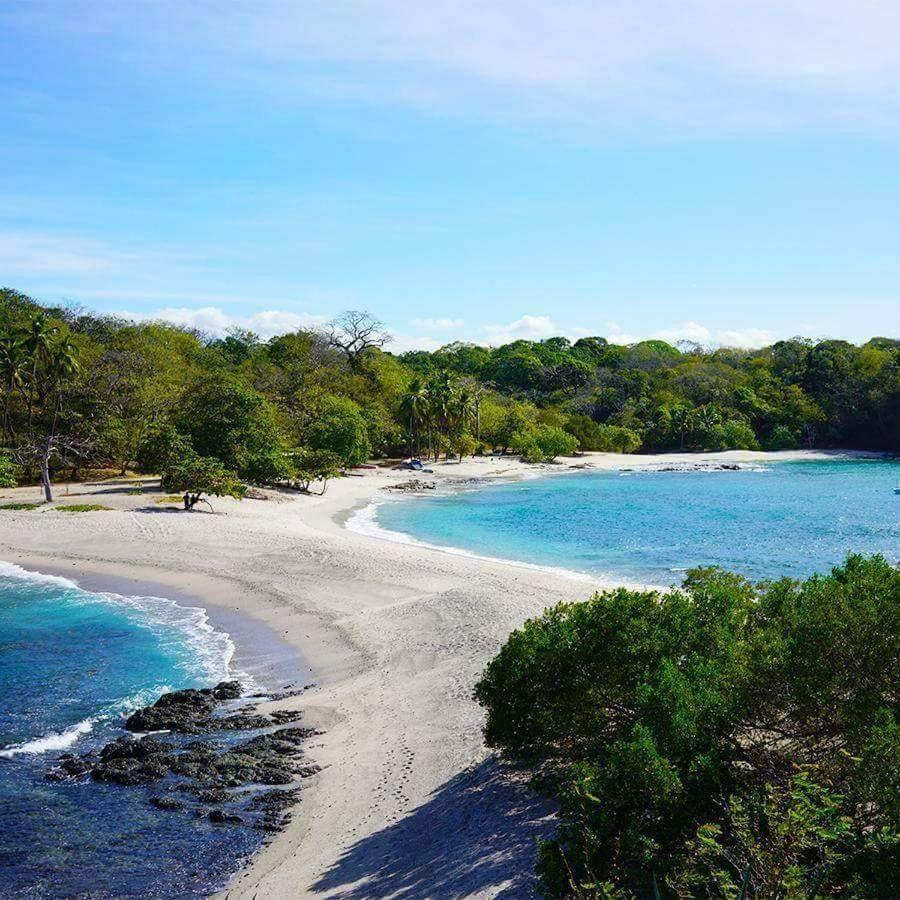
84 391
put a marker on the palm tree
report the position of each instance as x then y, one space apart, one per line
63 360
442 393
464 406
414 408
13 368
39 335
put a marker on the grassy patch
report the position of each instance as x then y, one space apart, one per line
135 492
171 498
12 506
83 507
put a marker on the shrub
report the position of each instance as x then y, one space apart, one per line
543 443
465 445
226 419
9 472
732 435
782 438
719 735
592 435
161 449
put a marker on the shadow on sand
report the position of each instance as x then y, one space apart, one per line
477 832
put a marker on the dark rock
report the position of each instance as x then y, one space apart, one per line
283 716
242 722
273 805
166 802
129 748
228 690
128 761
213 795
273 775
220 817
188 712
210 770
71 767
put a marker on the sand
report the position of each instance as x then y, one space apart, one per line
409 801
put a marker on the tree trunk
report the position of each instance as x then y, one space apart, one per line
45 471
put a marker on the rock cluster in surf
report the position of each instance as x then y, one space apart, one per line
215 771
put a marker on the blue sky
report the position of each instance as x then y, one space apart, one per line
725 171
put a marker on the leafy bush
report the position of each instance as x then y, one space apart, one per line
782 438
543 443
732 435
715 736
592 435
9 472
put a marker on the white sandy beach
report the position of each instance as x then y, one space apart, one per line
409 802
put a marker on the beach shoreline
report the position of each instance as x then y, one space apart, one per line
395 635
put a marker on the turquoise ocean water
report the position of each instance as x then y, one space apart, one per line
72 663
765 521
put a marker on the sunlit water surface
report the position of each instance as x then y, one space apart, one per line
766 521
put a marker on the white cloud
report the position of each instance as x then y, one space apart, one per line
37 253
438 324
750 61
745 337
696 333
528 328
404 342
215 321
689 331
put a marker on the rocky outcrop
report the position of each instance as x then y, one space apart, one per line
211 770
189 711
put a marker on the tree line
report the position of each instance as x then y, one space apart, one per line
85 391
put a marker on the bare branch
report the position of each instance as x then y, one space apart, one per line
354 332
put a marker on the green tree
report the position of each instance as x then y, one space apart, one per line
311 466
14 366
226 419
340 428
198 475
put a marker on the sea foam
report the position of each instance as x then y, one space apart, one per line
208 658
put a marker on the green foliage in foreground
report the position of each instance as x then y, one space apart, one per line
20 506
722 740
83 507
